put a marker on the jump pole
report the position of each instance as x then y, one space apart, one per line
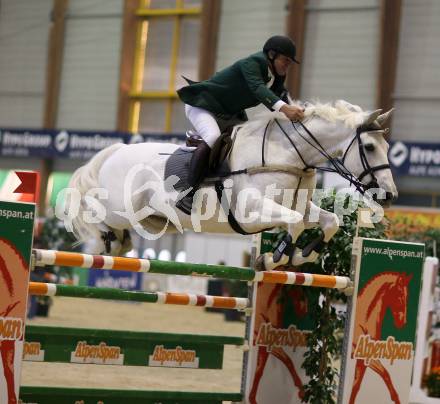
87 261
183 299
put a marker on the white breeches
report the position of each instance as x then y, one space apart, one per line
204 123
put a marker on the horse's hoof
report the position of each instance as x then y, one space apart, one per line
270 265
299 258
312 257
316 245
259 264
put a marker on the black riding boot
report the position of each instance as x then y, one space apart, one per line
197 171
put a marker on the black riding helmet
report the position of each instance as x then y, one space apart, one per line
281 45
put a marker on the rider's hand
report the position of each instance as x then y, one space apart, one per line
292 112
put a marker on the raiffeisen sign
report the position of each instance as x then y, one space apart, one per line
415 159
20 143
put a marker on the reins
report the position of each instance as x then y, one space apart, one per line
338 166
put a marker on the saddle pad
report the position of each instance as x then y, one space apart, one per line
178 164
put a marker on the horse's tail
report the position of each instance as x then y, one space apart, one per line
84 179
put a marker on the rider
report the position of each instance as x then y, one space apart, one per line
256 79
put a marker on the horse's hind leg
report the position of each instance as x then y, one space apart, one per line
125 241
113 241
7 351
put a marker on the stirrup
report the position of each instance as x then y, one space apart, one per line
185 204
193 139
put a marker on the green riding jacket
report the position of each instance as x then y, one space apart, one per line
235 88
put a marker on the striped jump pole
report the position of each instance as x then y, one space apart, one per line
183 299
69 259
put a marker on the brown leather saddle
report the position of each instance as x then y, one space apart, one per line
220 150
218 167
223 145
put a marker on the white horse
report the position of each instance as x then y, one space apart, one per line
132 179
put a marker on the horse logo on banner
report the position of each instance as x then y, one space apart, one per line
280 331
386 291
14 275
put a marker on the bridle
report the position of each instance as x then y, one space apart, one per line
368 169
338 165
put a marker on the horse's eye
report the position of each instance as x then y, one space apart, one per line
369 147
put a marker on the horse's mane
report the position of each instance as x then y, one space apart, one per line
392 275
5 274
340 110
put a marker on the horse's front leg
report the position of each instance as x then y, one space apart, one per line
327 221
272 214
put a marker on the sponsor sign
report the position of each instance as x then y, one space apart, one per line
428 300
115 279
381 329
100 354
415 159
16 224
176 357
70 144
380 342
369 349
11 328
279 332
271 337
32 352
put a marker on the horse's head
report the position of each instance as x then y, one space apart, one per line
367 156
398 299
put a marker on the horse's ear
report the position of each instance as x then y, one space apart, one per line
370 117
408 278
383 118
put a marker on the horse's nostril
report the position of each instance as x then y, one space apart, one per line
389 196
